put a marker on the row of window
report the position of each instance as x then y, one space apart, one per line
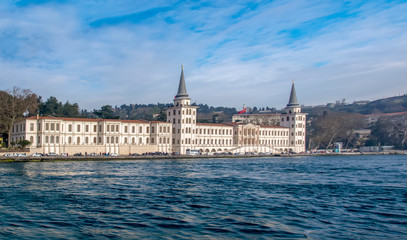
215 131
187 121
18 128
299 118
274 133
109 128
184 112
109 140
224 142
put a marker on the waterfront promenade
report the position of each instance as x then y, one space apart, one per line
157 157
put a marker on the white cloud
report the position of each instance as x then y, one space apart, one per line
249 59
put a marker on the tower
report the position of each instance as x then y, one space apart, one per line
296 122
183 118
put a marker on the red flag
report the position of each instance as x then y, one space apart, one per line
243 111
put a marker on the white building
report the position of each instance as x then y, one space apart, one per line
179 133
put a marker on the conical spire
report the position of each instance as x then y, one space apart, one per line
182 90
293 98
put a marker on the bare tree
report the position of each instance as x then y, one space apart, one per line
333 126
13 104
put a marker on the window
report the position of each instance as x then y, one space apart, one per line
94 129
107 128
94 140
78 128
133 129
52 126
78 140
152 129
70 128
32 140
57 139
57 126
125 140
46 139
140 129
87 128
117 128
117 140
46 127
125 129
148 130
86 140
31 127
69 140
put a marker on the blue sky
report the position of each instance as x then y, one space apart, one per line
234 52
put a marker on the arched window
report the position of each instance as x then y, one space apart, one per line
78 140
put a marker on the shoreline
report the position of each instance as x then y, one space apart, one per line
160 157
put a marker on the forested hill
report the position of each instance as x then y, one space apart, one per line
385 105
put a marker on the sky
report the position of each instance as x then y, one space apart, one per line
109 52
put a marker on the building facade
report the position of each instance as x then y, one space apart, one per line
179 134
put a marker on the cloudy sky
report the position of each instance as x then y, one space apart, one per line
99 52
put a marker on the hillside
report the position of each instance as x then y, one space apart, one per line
385 105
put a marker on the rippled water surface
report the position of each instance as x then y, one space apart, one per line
353 197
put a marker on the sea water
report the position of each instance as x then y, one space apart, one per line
340 197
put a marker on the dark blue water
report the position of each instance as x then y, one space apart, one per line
354 197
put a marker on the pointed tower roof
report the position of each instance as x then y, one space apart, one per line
182 90
293 98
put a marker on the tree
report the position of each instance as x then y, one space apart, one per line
105 112
390 131
13 105
24 143
331 127
55 108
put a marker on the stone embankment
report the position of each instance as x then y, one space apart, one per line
157 157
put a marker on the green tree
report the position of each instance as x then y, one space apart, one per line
24 143
105 112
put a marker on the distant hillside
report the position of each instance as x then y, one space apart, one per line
385 105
